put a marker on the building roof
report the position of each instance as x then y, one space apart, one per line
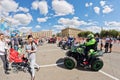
71 28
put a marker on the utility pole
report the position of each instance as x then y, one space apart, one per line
101 31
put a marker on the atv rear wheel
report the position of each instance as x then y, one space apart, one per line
70 62
97 64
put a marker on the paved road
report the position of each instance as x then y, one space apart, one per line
49 54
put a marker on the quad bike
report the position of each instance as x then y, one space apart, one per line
66 45
75 58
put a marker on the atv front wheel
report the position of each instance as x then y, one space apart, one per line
97 65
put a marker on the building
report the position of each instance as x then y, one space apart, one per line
73 32
42 34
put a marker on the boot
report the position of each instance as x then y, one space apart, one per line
33 78
6 72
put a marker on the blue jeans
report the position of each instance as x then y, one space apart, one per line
16 47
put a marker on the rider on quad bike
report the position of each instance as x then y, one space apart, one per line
89 44
85 55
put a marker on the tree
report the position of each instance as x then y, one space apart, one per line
104 33
58 34
112 33
53 35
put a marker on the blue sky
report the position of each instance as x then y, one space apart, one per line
55 15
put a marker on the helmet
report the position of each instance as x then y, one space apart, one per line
90 36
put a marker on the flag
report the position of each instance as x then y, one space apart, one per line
4 26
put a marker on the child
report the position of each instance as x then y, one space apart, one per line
19 49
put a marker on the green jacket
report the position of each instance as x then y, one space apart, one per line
90 42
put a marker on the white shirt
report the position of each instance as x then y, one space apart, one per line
107 40
3 46
28 47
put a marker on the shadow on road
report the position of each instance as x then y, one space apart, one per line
61 60
83 69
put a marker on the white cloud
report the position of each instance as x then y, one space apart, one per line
19 19
88 4
62 7
12 21
112 24
41 5
74 22
25 29
45 30
112 28
37 26
94 29
59 27
107 9
35 5
97 10
90 26
23 9
24 19
69 22
86 15
42 19
4 14
76 18
8 5
102 3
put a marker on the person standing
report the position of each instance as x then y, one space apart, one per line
20 41
110 44
31 51
107 44
101 45
15 42
7 40
3 48
97 41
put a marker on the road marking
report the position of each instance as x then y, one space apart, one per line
109 75
52 65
